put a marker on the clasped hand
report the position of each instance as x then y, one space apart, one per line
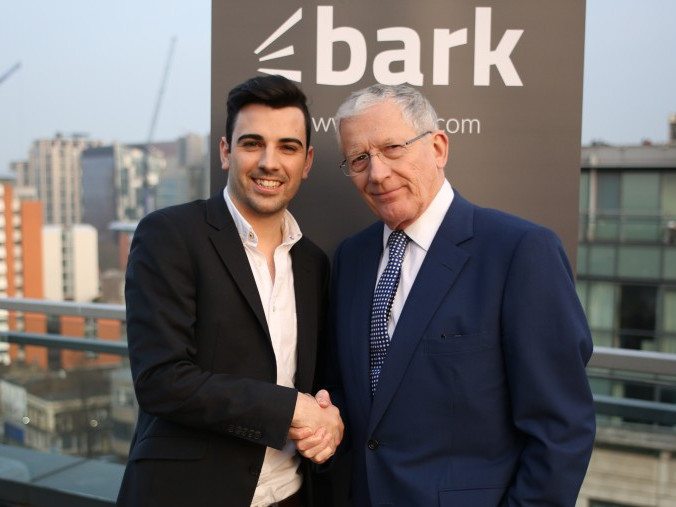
316 426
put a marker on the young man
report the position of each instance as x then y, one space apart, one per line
459 340
225 302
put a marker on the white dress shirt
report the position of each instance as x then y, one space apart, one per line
279 478
422 233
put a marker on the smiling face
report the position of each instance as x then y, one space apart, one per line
267 160
398 191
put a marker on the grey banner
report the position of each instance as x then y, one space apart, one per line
504 76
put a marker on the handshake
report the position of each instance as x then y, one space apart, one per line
316 426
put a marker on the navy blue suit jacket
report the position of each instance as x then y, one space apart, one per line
483 399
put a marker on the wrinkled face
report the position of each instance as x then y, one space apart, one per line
398 191
267 159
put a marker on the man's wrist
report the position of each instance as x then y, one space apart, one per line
300 411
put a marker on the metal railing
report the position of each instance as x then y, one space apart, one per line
628 227
639 361
605 363
89 310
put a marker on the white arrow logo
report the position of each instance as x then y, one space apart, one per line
293 75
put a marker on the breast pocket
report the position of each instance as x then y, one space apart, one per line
454 343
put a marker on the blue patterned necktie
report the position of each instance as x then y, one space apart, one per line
382 304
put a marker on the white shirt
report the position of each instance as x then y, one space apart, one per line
279 478
422 233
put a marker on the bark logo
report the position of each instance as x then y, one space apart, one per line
408 57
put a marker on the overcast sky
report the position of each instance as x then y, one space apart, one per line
94 67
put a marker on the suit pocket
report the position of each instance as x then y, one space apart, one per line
487 497
451 343
182 448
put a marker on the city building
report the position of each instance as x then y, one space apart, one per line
626 280
54 170
58 411
112 191
123 412
626 260
71 259
186 176
20 255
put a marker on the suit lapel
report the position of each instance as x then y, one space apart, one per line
228 244
442 265
306 316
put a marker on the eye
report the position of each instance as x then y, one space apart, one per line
250 144
393 150
290 148
359 159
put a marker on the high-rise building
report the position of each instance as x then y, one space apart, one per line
20 253
112 191
53 169
71 261
23 175
186 176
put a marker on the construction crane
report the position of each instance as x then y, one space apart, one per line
11 71
148 195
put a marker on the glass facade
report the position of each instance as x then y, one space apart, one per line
626 266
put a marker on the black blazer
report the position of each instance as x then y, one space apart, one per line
202 360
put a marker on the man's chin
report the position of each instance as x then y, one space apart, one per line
268 207
391 217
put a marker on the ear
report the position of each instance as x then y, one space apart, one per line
308 162
224 151
440 144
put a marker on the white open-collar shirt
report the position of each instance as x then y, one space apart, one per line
279 478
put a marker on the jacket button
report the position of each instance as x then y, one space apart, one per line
373 444
258 435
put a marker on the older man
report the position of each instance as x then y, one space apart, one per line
459 342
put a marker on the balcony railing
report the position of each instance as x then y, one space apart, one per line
33 478
625 227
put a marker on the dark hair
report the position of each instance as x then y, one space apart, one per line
273 91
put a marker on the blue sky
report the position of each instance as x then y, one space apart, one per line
630 70
95 67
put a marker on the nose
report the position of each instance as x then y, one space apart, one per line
378 169
269 159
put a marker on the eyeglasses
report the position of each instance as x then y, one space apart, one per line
355 164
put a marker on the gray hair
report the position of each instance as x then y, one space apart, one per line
415 108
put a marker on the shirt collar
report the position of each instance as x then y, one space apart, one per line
423 230
290 229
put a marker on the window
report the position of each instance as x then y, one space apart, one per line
601 307
669 263
637 317
608 192
584 192
669 194
602 260
639 262
669 311
581 259
641 192
608 206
